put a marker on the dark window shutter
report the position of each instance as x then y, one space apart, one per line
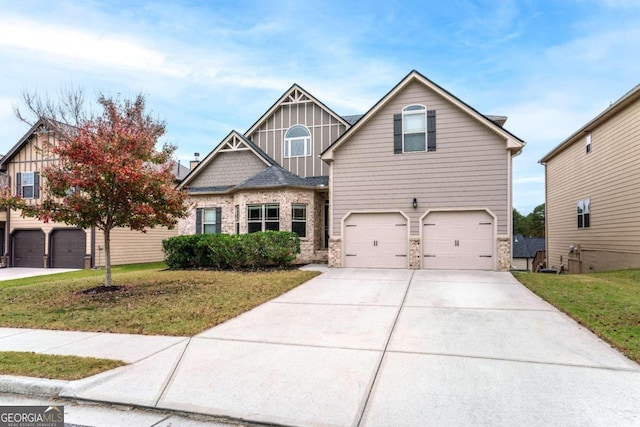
218 220
431 130
19 184
36 185
397 134
198 220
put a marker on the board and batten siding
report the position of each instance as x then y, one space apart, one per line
33 157
610 177
229 168
469 169
324 128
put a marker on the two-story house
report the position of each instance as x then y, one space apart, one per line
592 190
29 242
422 180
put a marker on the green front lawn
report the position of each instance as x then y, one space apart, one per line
153 300
53 366
607 303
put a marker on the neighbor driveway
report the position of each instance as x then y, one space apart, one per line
22 272
389 347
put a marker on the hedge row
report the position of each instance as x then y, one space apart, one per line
231 251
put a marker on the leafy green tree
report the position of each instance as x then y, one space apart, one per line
536 221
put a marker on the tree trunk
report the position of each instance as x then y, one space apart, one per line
107 258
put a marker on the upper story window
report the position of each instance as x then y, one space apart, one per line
587 143
584 213
297 142
414 130
28 185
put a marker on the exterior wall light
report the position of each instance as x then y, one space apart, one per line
415 203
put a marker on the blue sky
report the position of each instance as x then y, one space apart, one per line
209 67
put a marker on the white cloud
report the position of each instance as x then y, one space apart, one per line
84 45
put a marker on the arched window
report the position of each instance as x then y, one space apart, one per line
414 128
297 142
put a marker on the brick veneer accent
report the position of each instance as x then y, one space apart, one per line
414 252
311 246
335 252
504 253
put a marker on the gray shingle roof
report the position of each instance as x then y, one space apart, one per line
526 247
352 119
317 181
273 176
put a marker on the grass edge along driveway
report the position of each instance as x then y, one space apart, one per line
153 300
607 303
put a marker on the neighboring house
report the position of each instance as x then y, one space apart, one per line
524 252
29 242
593 191
422 180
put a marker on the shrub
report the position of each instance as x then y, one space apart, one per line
230 252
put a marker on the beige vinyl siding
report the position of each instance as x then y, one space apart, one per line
469 169
229 168
324 128
133 247
609 176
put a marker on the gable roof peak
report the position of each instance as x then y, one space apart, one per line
234 141
513 143
295 94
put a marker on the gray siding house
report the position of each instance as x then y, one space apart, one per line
422 180
592 191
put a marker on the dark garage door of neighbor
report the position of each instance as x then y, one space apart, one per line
28 248
68 248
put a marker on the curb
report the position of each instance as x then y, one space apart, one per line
41 387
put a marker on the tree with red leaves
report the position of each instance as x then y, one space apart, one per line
108 174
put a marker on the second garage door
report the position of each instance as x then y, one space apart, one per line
458 240
375 240
68 248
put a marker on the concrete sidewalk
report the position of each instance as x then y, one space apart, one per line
370 347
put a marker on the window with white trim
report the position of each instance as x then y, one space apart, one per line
210 221
587 143
263 218
27 185
584 213
297 142
414 128
299 219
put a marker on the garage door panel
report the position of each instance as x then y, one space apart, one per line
458 240
28 248
68 248
376 240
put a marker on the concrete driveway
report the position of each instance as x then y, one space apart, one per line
21 272
390 347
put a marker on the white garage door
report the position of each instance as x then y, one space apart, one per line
458 240
375 240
